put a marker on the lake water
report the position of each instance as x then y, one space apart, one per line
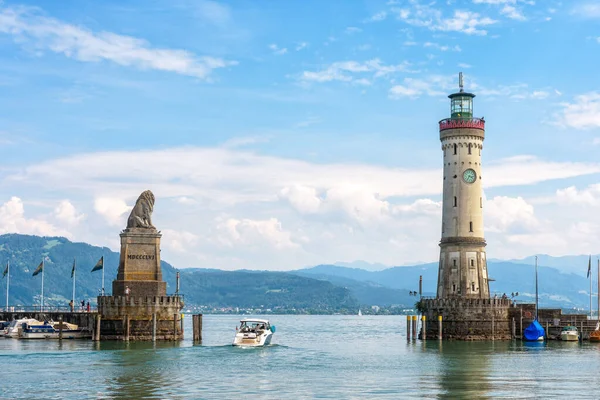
321 357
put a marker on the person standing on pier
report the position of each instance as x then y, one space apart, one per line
72 306
88 306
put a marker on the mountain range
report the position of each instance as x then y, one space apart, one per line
322 288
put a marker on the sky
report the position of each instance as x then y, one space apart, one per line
279 135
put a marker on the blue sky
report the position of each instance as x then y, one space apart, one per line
282 134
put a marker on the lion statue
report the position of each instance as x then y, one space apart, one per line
141 215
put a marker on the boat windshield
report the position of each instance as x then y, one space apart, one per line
569 328
253 326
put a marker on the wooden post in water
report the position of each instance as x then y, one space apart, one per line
127 327
514 328
175 326
581 334
181 324
423 327
547 331
60 327
439 327
197 327
97 327
154 327
408 327
521 326
414 327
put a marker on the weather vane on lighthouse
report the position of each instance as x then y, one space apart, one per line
460 82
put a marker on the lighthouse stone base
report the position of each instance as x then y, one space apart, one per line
469 319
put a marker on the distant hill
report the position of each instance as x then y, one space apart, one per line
570 264
555 287
209 287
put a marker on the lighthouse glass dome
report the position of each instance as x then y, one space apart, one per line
461 105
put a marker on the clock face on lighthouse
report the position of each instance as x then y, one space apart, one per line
469 176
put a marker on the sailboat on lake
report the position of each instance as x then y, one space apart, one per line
595 334
535 332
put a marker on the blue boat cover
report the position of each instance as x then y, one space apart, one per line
534 331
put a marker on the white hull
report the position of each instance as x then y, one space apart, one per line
55 335
569 336
246 340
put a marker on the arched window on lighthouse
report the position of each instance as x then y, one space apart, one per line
455 148
471 226
455 201
469 148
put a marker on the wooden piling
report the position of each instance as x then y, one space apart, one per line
175 326
439 327
423 327
521 326
97 328
414 327
197 327
547 331
60 327
154 327
127 327
181 324
408 327
514 328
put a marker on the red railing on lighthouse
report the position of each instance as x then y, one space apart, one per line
457 123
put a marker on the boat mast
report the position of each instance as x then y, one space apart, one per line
536 289
598 290
74 274
42 303
8 282
591 287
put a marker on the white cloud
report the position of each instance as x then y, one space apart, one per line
28 27
13 220
495 2
583 113
254 233
67 213
112 209
423 15
380 16
179 241
509 214
434 85
301 45
589 9
352 29
512 13
216 13
464 65
345 71
442 47
278 50
570 195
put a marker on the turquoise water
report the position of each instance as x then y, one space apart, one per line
323 357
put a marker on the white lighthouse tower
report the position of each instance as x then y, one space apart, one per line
462 269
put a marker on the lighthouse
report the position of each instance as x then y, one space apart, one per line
462 267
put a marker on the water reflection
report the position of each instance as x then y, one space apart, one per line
140 369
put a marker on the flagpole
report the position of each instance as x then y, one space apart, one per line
43 268
7 282
74 275
536 289
102 274
591 287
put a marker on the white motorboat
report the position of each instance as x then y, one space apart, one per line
52 330
254 333
569 334
12 330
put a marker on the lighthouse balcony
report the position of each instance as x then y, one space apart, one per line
462 123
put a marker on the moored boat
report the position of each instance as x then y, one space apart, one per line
595 334
254 333
534 332
12 330
569 334
52 330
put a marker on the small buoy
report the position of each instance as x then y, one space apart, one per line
273 328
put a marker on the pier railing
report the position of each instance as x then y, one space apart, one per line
46 308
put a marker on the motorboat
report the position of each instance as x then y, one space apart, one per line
254 333
569 334
534 332
52 330
12 330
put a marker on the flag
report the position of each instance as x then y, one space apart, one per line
5 271
39 269
99 265
73 269
589 267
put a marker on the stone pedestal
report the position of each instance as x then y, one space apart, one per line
139 265
118 311
131 316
